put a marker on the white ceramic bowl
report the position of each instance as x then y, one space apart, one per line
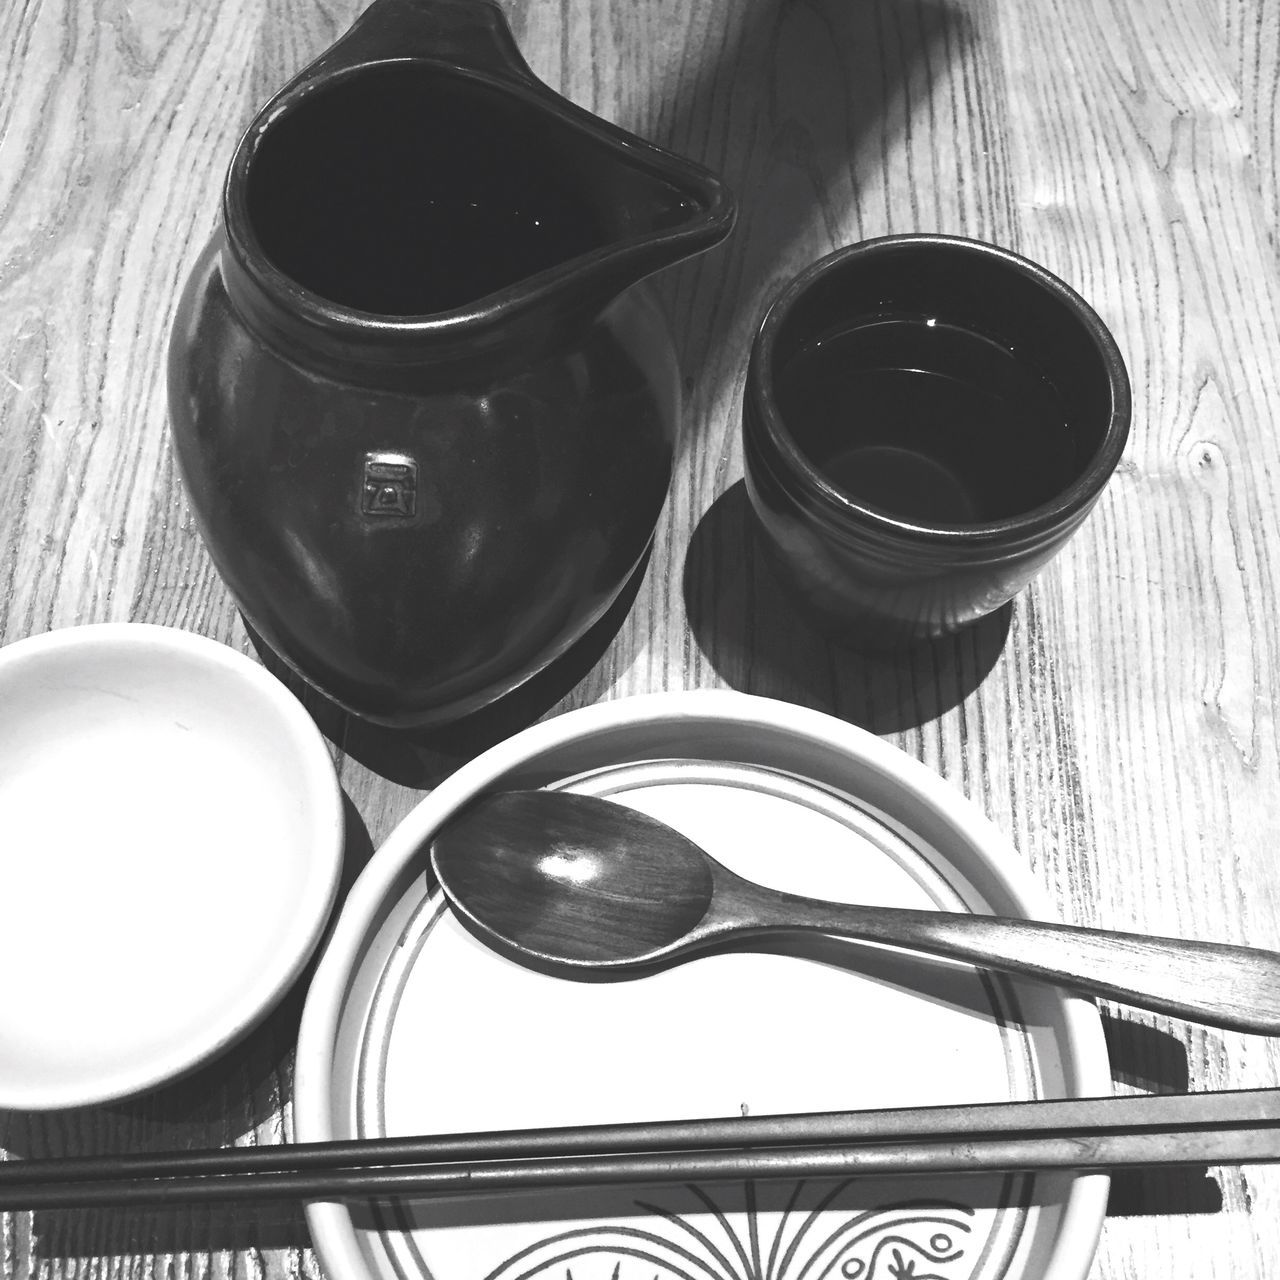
411 1025
171 835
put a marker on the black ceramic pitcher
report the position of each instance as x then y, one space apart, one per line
424 416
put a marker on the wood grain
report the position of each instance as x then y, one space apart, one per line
1118 722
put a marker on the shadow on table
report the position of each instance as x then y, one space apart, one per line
422 758
1146 1058
62 1234
752 633
226 1103
796 106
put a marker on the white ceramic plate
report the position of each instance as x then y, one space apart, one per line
411 1025
171 843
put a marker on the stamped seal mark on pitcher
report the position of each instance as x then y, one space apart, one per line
389 486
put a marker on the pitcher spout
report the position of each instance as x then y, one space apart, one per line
420 177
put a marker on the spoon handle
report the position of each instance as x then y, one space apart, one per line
1217 984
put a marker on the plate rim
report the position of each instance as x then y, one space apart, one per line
331 1224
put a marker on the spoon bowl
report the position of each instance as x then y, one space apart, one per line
589 887
574 880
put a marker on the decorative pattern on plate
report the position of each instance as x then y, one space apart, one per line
911 1240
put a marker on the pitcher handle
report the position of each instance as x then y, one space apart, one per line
470 34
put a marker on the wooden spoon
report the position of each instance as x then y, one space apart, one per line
586 885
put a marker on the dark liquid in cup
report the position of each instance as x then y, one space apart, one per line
928 422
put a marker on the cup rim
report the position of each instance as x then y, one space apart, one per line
1070 503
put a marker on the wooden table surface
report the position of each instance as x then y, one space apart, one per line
1118 722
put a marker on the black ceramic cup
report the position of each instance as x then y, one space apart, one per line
926 421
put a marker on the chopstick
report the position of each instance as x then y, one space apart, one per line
1230 1127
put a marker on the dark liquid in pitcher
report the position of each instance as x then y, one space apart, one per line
407 190
928 422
